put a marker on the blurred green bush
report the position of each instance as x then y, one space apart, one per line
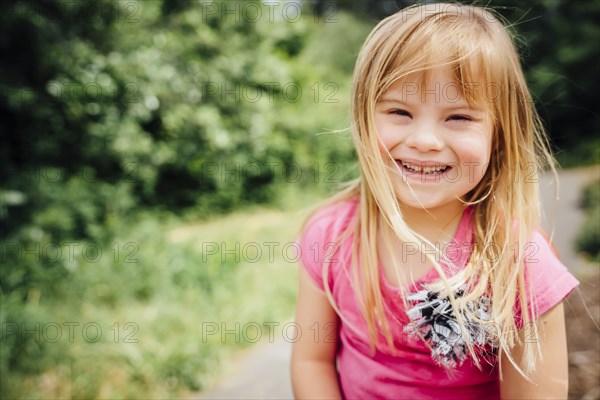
118 117
588 240
115 118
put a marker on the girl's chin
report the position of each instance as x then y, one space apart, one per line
424 202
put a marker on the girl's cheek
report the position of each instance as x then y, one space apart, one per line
475 148
384 140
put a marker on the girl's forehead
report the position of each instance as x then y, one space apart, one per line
425 80
443 83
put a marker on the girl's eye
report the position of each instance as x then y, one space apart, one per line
400 112
459 118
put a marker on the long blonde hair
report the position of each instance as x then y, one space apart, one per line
506 207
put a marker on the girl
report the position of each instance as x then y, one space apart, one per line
428 277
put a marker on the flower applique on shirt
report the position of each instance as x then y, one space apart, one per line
433 318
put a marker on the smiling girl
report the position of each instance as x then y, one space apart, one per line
428 277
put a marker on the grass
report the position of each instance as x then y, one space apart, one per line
588 239
156 317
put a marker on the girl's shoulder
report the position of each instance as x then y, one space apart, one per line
546 277
318 241
540 254
331 220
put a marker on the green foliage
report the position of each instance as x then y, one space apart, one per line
588 240
590 196
585 152
179 119
158 120
117 118
559 65
150 293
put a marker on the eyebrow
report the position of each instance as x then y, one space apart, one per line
461 106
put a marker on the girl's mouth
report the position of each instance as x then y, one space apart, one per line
424 171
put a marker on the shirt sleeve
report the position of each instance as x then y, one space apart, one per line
549 280
314 246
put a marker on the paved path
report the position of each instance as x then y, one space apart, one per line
565 216
263 373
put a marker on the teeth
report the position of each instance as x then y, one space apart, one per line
424 170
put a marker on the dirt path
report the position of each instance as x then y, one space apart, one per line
263 372
582 307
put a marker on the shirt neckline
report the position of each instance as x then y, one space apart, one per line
461 236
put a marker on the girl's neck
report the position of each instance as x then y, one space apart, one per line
438 224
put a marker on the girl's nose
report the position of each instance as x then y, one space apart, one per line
425 138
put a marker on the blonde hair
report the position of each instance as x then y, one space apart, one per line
506 209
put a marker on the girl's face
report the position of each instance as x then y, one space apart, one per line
440 145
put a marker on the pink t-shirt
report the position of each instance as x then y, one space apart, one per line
410 372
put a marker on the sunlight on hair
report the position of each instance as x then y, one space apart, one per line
474 44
